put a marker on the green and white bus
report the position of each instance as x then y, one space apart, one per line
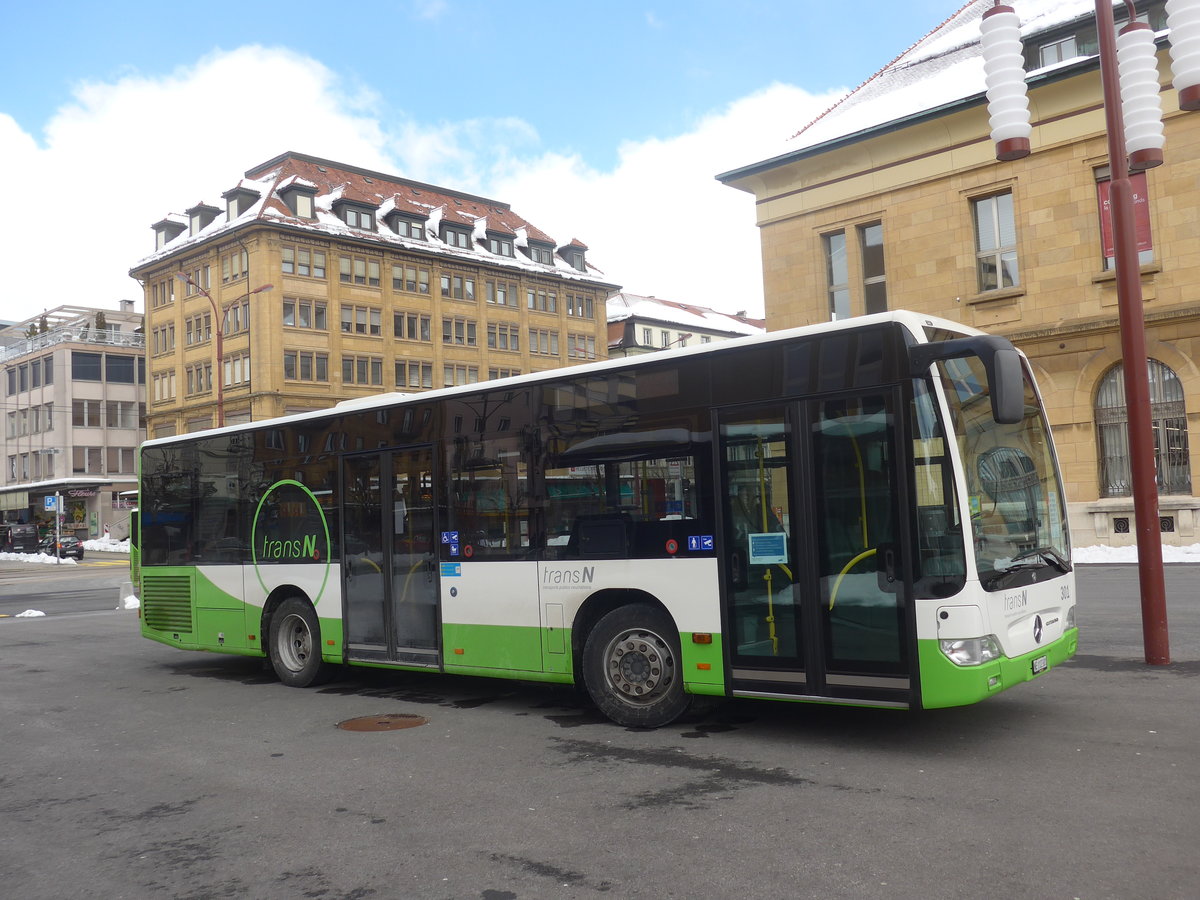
865 512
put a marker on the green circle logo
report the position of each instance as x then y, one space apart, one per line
290 528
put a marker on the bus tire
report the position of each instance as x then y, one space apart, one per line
631 667
294 645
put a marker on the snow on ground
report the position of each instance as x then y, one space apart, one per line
36 558
29 614
1086 555
106 545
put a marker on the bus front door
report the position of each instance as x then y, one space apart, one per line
814 588
389 556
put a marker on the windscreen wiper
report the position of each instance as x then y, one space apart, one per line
1046 554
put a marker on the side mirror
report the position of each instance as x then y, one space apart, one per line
1001 361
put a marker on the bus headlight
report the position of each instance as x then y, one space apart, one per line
1070 618
971 651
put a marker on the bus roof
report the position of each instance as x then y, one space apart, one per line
915 323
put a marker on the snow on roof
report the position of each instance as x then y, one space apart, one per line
943 67
337 181
624 306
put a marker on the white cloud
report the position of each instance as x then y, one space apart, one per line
660 223
125 153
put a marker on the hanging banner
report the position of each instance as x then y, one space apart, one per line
1141 214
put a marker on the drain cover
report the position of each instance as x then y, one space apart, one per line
385 722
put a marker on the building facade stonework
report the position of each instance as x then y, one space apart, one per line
910 208
329 282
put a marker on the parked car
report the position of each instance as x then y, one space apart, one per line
18 538
68 545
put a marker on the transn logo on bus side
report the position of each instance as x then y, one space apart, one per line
568 577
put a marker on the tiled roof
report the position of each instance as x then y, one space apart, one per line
337 181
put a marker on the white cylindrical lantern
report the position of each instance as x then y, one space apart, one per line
1183 18
1003 68
1141 110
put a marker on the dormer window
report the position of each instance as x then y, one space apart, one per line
541 253
299 199
355 215
200 217
238 201
407 227
574 258
500 245
166 231
456 237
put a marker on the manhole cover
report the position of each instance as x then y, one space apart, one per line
386 722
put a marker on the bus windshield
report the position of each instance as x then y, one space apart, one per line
1013 493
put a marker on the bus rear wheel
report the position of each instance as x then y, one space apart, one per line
295 645
631 667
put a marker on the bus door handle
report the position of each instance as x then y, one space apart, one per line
429 571
889 564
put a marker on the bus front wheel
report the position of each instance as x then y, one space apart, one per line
631 667
295 644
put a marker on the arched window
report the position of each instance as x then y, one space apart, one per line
1168 422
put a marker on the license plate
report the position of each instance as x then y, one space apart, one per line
1041 664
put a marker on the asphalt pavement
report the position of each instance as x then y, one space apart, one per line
130 769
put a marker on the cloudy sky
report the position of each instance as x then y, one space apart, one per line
603 122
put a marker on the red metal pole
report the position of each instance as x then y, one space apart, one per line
1133 352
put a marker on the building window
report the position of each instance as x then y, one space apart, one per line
647 337
408 326
357 270
164 386
120 460
1168 422
501 293
500 246
575 260
837 275
581 346
362 320
85 366
452 375
408 228
459 331
303 365
366 370
543 255
580 306
456 237
235 265
237 369
303 261
870 242
237 317
995 242
503 336
502 373
358 218
199 378
299 313
413 279
86 460
543 342
541 300
85 413
121 414
197 329
412 374
458 287
1141 216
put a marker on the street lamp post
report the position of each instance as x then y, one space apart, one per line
1133 121
219 326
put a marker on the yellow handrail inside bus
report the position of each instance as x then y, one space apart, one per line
845 569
